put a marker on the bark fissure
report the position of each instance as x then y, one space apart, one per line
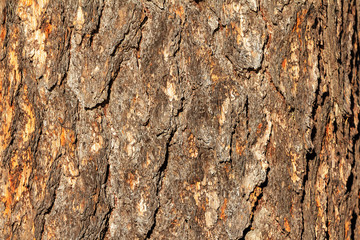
160 176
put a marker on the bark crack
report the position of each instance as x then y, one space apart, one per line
160 174
257 195
97 26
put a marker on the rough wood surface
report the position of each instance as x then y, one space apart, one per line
169 119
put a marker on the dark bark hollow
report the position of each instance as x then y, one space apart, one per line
179 119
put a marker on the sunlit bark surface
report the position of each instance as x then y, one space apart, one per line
179 119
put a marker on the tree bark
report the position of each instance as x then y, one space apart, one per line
227 119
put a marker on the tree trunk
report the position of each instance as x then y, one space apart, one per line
227 119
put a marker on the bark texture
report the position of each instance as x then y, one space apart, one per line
179 119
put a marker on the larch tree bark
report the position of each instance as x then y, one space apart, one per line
179 119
